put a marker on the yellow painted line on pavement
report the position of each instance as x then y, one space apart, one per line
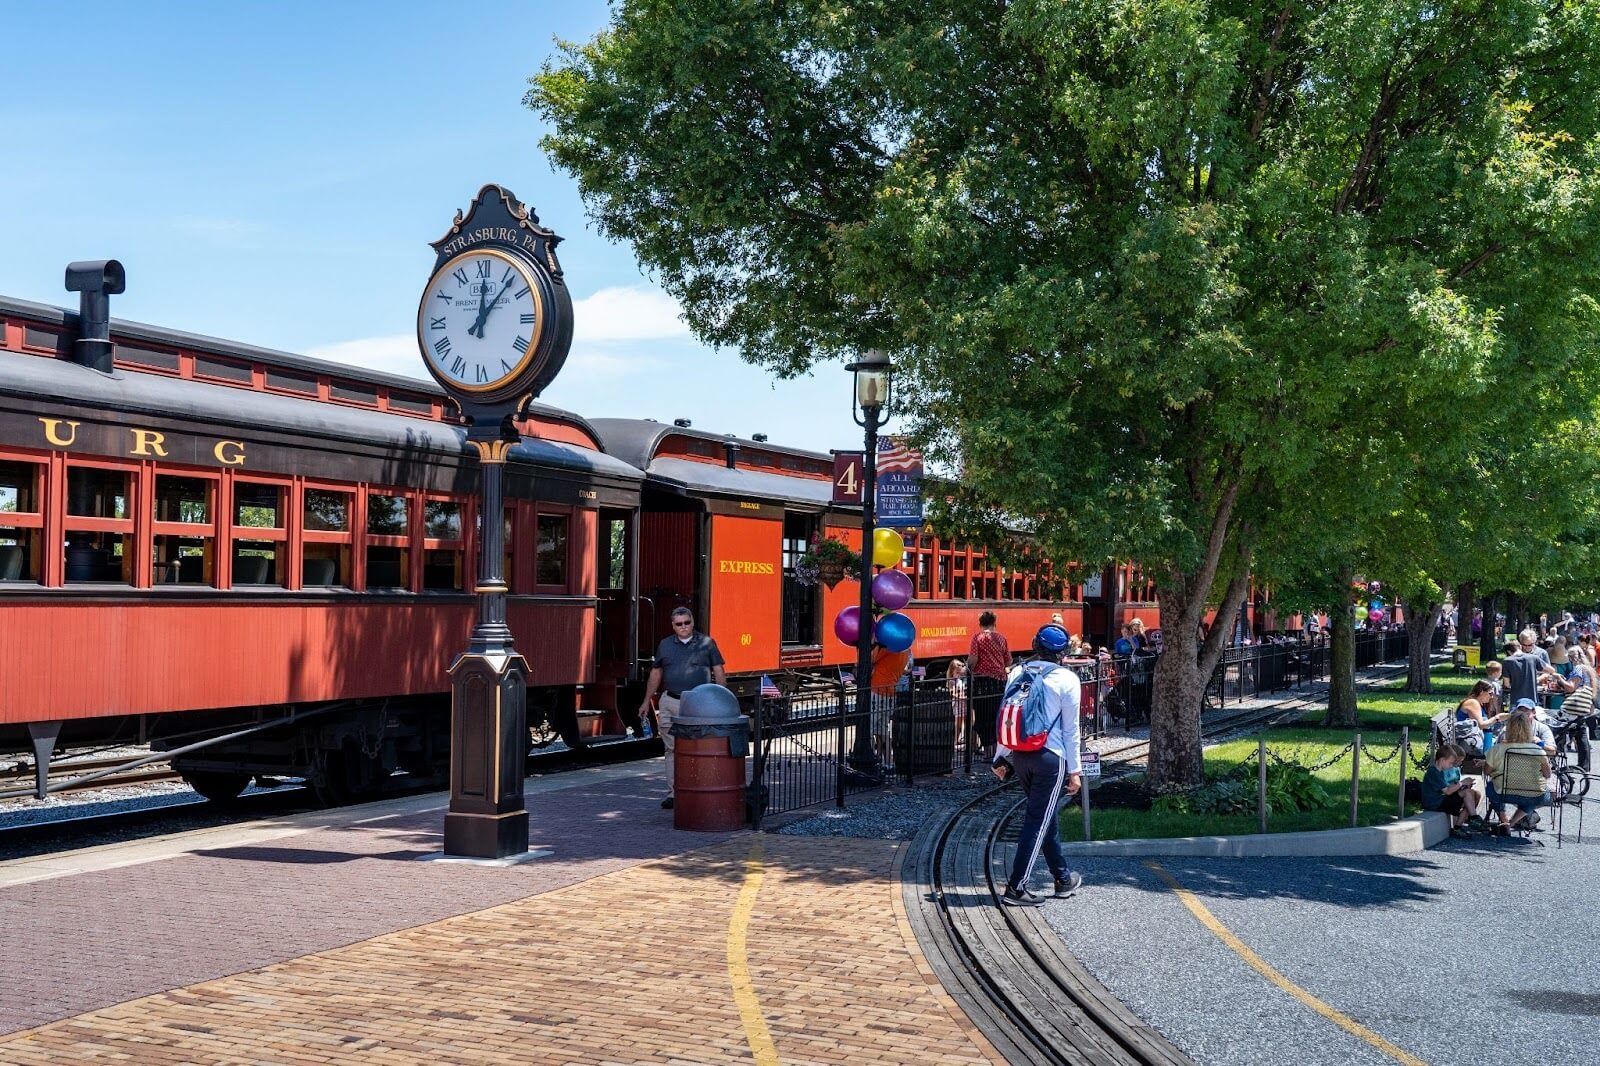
1265 969
744 990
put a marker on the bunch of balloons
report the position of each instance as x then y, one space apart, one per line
891 590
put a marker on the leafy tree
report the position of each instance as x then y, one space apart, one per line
1132 254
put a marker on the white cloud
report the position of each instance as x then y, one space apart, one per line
391 355
627 313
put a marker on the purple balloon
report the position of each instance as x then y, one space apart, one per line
896 632
847 626
891 590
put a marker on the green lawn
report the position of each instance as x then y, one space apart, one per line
1382 712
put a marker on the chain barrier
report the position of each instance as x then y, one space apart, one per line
1420 764
1336 757
1380 760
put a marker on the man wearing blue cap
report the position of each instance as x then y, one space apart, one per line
1044 773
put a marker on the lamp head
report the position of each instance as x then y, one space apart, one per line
873 374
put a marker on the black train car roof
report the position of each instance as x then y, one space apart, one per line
126 330
41 382
636 441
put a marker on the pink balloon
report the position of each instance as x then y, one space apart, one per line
847 626
891 590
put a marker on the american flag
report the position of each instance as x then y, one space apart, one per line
769 691
920 673
846 677
894 456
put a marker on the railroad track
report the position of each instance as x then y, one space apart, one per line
1010 973
20 775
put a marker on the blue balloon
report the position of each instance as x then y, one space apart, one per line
895 632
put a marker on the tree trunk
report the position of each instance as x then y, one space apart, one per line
1420 624
1342 658
1486 647
1182 673
1179 689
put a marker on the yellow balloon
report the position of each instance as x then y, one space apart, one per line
888 547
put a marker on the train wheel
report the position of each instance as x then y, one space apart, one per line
344 776
217 787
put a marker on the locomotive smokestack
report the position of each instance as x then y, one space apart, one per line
95 281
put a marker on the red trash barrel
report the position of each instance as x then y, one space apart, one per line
710 738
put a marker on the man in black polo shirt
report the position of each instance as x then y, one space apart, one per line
684 660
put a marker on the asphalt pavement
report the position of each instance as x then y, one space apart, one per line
1479 951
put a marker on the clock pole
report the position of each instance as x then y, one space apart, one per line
488 688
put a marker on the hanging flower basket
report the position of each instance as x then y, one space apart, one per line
827 560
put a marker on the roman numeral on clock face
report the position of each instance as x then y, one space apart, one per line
520 344
521 293
527 318
482 374
435 323
510 273
442 345
458 366
483 268
460 274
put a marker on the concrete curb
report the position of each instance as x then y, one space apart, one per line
1403 837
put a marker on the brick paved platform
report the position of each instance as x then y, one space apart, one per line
329 943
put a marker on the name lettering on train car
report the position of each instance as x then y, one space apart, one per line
63 433
149 442
588 494
746 505
944 631
745 566
52 432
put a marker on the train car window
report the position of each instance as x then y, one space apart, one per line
442 555
221 370
614 554
923 578
99 553
19 488
411 405
386 567
183 499
44 339
260 551
441 520
286 382
257 506
944 571
184 558
551 564
362 394
94 493
386 515
801 601
20 521
327 511
128 353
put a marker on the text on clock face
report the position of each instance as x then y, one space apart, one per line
480 319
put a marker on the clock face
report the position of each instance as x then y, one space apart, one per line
479 320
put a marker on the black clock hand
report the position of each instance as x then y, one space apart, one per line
483 315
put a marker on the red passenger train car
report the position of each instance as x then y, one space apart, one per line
725 519
214 535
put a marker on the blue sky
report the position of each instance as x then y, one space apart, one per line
272 173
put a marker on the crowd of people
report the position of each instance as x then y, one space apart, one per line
1532 706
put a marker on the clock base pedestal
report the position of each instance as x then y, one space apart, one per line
488 752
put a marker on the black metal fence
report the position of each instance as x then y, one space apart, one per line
927 726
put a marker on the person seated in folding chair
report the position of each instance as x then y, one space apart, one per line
1571 725
1518 767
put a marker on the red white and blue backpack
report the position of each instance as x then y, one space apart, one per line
1025 719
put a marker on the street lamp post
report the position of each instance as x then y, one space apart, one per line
871 411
